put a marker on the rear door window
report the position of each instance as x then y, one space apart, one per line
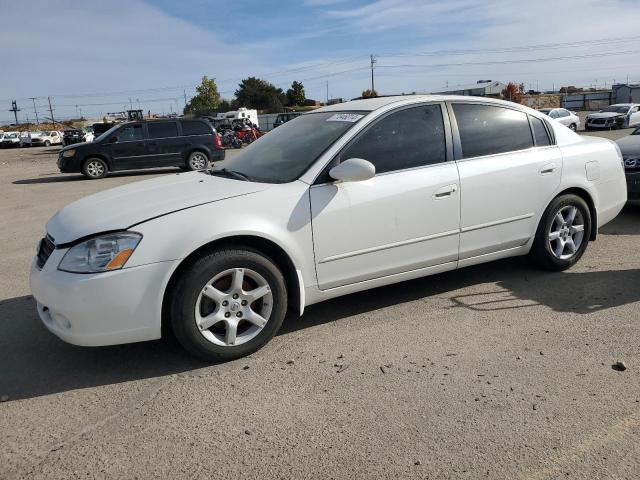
193 127
489 130
162 129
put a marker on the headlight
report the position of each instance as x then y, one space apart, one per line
69 153
100 254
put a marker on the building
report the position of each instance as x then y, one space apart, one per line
626 93
482 88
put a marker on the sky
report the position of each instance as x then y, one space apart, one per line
94 57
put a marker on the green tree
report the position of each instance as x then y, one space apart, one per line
296 95
368 93
206 100
259 94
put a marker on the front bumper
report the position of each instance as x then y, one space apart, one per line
109 308
615 122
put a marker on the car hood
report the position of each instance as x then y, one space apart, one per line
122 207
605 115
629 145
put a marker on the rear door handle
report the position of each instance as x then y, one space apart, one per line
548 168
445 192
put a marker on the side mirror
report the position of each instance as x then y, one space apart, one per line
353 170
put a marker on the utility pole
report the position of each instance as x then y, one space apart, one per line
373 61
130 104
184 93
15 110
51 112
35 110
138 100
327 92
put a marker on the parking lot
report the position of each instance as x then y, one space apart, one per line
495 371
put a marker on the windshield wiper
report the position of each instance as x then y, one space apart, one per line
231 173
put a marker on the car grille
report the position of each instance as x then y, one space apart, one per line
45 250
598 121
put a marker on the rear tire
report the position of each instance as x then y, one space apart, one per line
573 127
197 161
562 235
47 143
213 300
94 168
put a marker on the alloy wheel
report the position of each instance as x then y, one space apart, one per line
233 307
198 161
95 168
566 233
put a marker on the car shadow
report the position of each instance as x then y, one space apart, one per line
44 151
73 178
627 223
35 362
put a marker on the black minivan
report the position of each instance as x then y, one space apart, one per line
187 143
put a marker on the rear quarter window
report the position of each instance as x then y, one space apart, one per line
540 134
194 127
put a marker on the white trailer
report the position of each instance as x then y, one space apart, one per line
240 114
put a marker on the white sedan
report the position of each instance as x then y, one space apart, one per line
347 198
564 116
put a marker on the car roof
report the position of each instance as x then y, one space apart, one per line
371 104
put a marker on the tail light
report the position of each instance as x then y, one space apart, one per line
217 143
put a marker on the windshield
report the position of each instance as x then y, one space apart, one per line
10 135
287 152
616 109
106 134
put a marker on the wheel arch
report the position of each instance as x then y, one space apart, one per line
263 245
586 196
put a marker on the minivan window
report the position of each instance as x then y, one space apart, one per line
193 127
540 133
130 133
412 137
162 129
489 130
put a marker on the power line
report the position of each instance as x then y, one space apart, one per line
503 62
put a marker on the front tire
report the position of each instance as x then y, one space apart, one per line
197 161
562 235
94 168
47 143
573 127
228 304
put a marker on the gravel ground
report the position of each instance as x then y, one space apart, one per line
497 371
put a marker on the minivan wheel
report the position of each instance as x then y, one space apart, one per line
228 304
563 233
197 161
94 168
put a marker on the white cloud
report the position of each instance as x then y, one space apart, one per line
114 45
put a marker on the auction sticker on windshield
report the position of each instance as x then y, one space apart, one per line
345 117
